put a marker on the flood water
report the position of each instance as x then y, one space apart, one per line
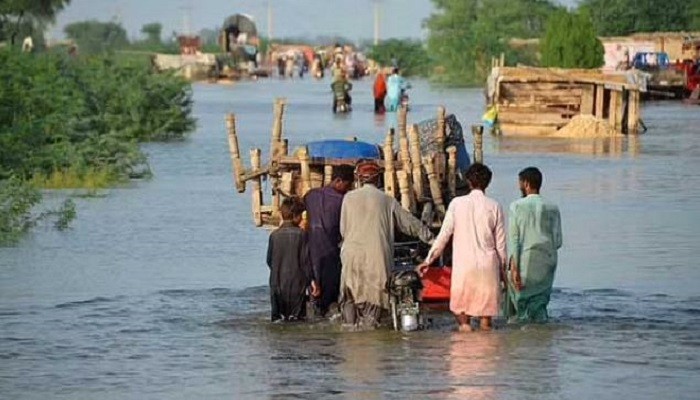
159 289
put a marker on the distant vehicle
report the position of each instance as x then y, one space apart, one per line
666 79
239 39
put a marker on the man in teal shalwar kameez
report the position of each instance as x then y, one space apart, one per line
534 236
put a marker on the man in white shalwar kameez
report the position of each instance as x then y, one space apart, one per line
478 251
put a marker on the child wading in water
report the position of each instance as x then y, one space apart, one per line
291 273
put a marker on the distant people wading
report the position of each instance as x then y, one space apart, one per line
477 225
379 92
534 236
323 207
368 220
396 85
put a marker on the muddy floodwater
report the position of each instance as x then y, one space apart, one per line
158 291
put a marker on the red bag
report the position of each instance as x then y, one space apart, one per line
436 285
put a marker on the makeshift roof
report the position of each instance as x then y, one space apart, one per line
628 80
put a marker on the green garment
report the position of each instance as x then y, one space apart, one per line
534 236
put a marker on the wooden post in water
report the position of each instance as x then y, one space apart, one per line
452 171
633 113
276 142
304 160
478 132
435 190
257 187
389 177
405 190
599 101
616 110
236 163
414 140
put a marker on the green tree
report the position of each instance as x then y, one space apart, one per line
624 17
96 37
465 34
27 16
410 54
153 32
571 42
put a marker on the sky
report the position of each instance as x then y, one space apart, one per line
349 18
352 19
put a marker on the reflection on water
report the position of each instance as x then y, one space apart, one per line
473 364
613 146
158 290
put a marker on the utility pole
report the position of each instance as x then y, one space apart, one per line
186 19
269 20
376 22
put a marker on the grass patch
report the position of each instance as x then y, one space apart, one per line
92 179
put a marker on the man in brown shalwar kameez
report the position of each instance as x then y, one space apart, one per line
367 221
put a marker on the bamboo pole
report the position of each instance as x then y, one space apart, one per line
414 141
435 191
441 129
389 173
440 137
257 187
405 190
478 132
234 149
327 174
401 115
276 142
452 171
305 170
287 183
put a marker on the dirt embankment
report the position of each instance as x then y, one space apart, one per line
586 126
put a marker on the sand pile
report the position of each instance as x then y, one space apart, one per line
586 126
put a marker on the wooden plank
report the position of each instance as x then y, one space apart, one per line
587 100
526 130
599 101
619 112
559 91
530 86
633 113
529 109
612 107
544 118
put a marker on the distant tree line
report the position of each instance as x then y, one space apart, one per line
465 34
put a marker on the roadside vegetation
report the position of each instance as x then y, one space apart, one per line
410 54
72 121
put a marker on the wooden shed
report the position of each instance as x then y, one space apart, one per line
540 101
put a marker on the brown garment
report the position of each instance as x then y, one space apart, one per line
367 221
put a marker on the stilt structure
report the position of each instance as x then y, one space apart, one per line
540 101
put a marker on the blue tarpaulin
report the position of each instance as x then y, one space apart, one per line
342 149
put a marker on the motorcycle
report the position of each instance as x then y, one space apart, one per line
404 287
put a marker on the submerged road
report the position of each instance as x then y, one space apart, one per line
158 290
